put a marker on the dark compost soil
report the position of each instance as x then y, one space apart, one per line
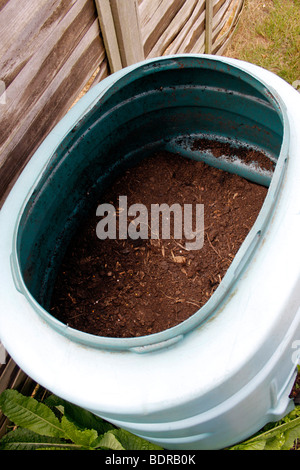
128 288
245 154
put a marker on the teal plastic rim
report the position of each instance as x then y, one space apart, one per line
169 88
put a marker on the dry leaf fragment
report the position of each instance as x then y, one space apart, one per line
179 259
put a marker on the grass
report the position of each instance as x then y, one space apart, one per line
268 35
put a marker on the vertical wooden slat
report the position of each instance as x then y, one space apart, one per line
128 30
3 355
49 49
225 25
190 37
161 21
72 34
109 34
208 25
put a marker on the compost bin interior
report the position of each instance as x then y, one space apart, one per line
127 288
133 142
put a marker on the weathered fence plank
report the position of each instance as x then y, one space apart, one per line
128 30
109 34
187 40
42 81
157 17
208 25
185 26
224 31
13 377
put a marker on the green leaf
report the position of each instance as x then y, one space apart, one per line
132 442
109 442
83 438
27 412
276 442
77 415
23 439
260 445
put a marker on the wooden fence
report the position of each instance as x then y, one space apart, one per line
138 29
50 49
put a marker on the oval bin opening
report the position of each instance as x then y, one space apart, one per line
151 277
161 105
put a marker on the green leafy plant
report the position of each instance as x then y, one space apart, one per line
268 35
59 425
